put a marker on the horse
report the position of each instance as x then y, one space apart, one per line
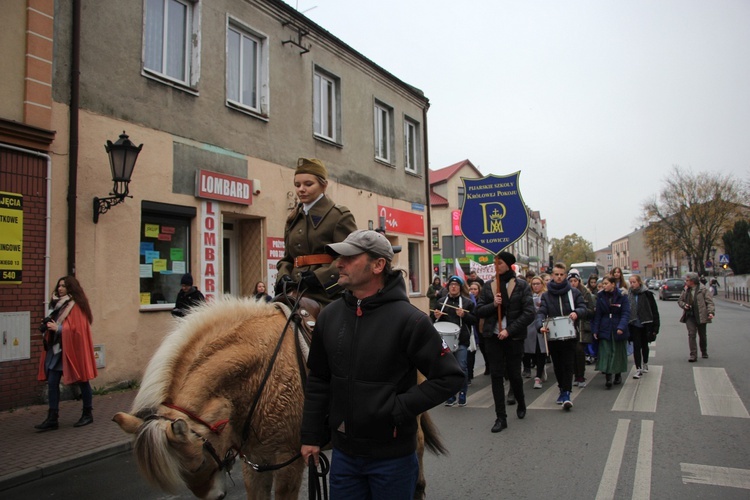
227 383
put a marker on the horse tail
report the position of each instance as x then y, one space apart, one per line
431 435
151 450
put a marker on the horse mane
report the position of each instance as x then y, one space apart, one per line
188 335
154 457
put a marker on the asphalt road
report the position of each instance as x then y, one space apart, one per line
682 431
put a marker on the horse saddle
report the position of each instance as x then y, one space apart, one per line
305 312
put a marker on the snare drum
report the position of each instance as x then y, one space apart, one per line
561 328
449 331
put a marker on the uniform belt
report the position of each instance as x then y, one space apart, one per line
311 260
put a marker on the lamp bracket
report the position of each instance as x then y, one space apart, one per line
301 33
102 205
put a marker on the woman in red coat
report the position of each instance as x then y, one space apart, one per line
69 350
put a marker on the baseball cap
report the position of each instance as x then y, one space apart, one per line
361 241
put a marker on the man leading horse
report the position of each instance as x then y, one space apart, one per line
362 391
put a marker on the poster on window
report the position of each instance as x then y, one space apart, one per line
275 250
11 238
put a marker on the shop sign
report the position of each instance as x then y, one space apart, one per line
275 252
210 250
400 221
223 187
11 238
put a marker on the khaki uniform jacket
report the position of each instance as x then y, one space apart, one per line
308 235
702 301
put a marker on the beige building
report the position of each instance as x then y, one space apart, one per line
224 96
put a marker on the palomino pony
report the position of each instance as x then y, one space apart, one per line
192 416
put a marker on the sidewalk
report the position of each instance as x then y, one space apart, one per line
27 455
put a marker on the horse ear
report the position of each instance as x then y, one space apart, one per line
180 429
127 422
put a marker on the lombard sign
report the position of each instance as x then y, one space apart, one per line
494 214
223 187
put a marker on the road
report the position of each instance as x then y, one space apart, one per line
682 431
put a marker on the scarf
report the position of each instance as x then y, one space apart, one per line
558 288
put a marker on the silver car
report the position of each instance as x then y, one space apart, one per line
671 288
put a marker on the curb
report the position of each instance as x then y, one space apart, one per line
63 464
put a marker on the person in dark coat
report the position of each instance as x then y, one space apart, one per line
610 328
188 296
504 337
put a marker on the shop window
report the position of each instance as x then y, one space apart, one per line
164 253
414 268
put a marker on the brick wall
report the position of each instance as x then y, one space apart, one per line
26 175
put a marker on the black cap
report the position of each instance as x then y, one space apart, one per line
187 279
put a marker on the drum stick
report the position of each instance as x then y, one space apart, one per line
452 307
546 346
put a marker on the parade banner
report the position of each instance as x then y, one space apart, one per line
11 238
494 215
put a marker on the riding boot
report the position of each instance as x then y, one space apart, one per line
50 423
86 418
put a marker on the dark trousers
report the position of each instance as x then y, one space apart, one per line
694 328
580 361
639 337
53 383
373 478
505 355
563 354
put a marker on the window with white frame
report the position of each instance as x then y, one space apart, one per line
326 104
414 269
170 40
411 145
383 132
247 80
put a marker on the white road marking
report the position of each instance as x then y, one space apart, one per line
716 394
608 484
642 483
715 476
640 394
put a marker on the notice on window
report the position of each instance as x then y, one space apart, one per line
145 298
178 267
151 230
177 254
150 256
160 265
145 271
11 238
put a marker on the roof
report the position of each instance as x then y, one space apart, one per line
445 173
437 200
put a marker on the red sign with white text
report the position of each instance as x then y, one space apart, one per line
456 223
223 187
400 221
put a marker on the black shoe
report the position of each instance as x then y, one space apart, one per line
608 379
692 359
50 423
704 355
521 411
500 424
618 379
86 418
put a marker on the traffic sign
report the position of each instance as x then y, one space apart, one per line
724 258
709 263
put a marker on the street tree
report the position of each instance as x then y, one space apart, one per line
692 211
572 248
737 246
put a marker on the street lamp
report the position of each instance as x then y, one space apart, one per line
122 156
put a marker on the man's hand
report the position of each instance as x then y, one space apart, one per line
503 334
307 451
284 282
573 316
498 299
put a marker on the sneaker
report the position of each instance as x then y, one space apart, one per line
561 398
692 359
526 373
461 399
567 404
575 383
544 374
582 383
645 368
638 373
537 383
451 401
704 355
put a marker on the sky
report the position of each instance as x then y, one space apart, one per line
593 101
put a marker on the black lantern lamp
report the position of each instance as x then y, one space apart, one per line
122 156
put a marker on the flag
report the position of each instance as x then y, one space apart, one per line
459 272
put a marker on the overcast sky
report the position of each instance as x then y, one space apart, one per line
593 101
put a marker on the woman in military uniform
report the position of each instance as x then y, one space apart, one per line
314 223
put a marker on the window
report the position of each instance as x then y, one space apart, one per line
326 100
414 275
411 145
461 196
383 130
436 238
246 69
170 27
164 254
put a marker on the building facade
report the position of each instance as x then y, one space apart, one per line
224 96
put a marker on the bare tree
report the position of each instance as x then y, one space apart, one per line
692 212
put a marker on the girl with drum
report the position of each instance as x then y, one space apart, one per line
610 328
455 317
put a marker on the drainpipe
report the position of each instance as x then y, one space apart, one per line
75 67
427 193
47 217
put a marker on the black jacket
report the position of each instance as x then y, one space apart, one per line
469 319
185 301
518 309
362 387
552 300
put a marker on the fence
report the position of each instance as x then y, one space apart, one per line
740 294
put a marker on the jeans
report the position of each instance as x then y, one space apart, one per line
373 478
53 384
462 353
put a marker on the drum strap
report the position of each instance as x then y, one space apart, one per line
460 303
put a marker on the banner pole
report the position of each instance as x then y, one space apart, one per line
497 284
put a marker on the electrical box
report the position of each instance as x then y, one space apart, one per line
15 336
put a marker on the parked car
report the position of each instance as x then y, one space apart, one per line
671 289
654 284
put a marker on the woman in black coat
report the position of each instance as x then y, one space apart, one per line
644 322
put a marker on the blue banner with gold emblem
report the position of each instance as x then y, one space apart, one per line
494 215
